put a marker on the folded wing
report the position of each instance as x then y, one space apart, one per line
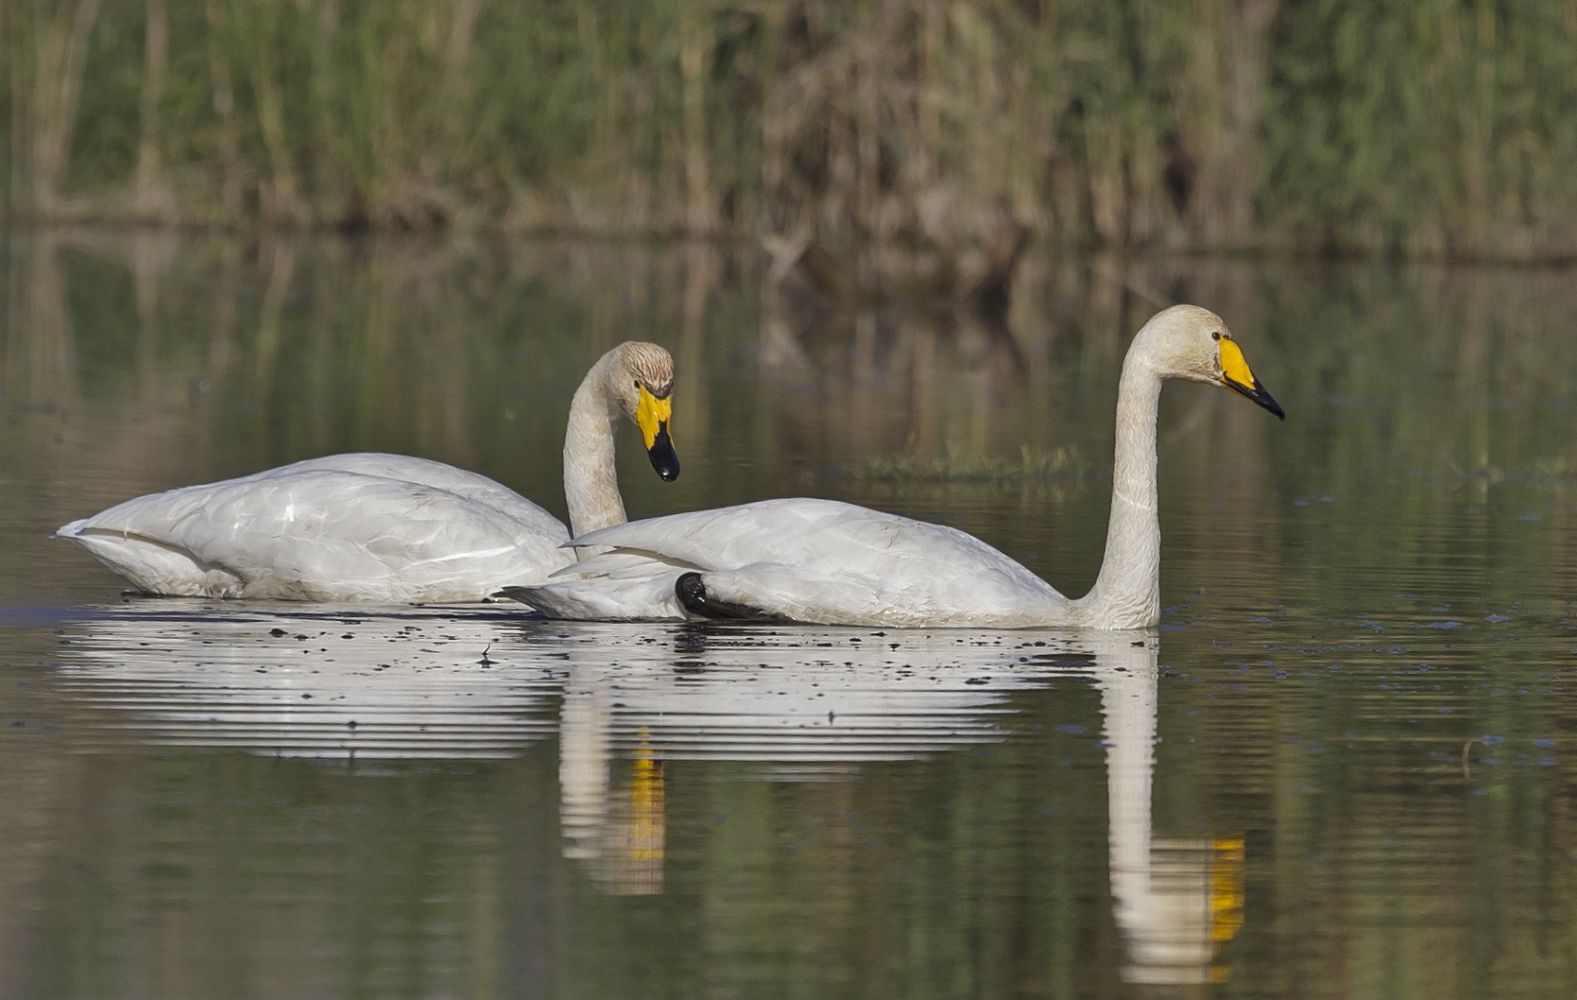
312 532
801 559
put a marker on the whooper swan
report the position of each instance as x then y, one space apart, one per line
834 563
372 527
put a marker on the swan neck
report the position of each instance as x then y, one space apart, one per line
1127 593
591 485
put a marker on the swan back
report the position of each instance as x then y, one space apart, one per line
530 517
318 534
827 561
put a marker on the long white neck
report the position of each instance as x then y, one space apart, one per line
591 484
1127 593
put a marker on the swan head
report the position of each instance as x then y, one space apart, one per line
1193 343
643 383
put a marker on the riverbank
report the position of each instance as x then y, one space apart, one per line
957 130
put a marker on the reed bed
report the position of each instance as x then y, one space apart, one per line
959 128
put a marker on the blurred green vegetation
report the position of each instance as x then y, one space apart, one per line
1425 127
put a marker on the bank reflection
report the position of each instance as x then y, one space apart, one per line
792 704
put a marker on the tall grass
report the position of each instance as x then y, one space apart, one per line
1429 127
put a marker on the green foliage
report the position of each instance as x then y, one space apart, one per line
1445 145
1433 127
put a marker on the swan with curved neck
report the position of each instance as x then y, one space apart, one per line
828 562
372 527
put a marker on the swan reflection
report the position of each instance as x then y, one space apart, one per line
791 703
340 682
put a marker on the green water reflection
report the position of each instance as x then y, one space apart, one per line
1340 768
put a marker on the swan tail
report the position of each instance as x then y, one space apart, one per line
152 565
546 600
649 599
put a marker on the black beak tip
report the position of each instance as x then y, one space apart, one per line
1259 397
664 459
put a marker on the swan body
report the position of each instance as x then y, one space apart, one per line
804 560
371 527
827 562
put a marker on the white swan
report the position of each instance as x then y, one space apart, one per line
834 563
381 528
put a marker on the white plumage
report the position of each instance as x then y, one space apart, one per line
372 527
804 560
835 563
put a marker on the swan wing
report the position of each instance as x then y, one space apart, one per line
816 561
318 534
472 486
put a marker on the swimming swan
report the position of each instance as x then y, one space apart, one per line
837 564
382 528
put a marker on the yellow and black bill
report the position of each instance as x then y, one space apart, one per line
652 414
1235 375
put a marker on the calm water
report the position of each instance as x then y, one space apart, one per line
1340 768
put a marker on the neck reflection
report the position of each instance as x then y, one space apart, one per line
778 699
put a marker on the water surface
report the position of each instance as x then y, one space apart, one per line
1339 768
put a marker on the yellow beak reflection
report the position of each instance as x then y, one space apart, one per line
652 416
1235 375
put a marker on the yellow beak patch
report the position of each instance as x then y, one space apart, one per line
652 416
1234 367
1235 375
